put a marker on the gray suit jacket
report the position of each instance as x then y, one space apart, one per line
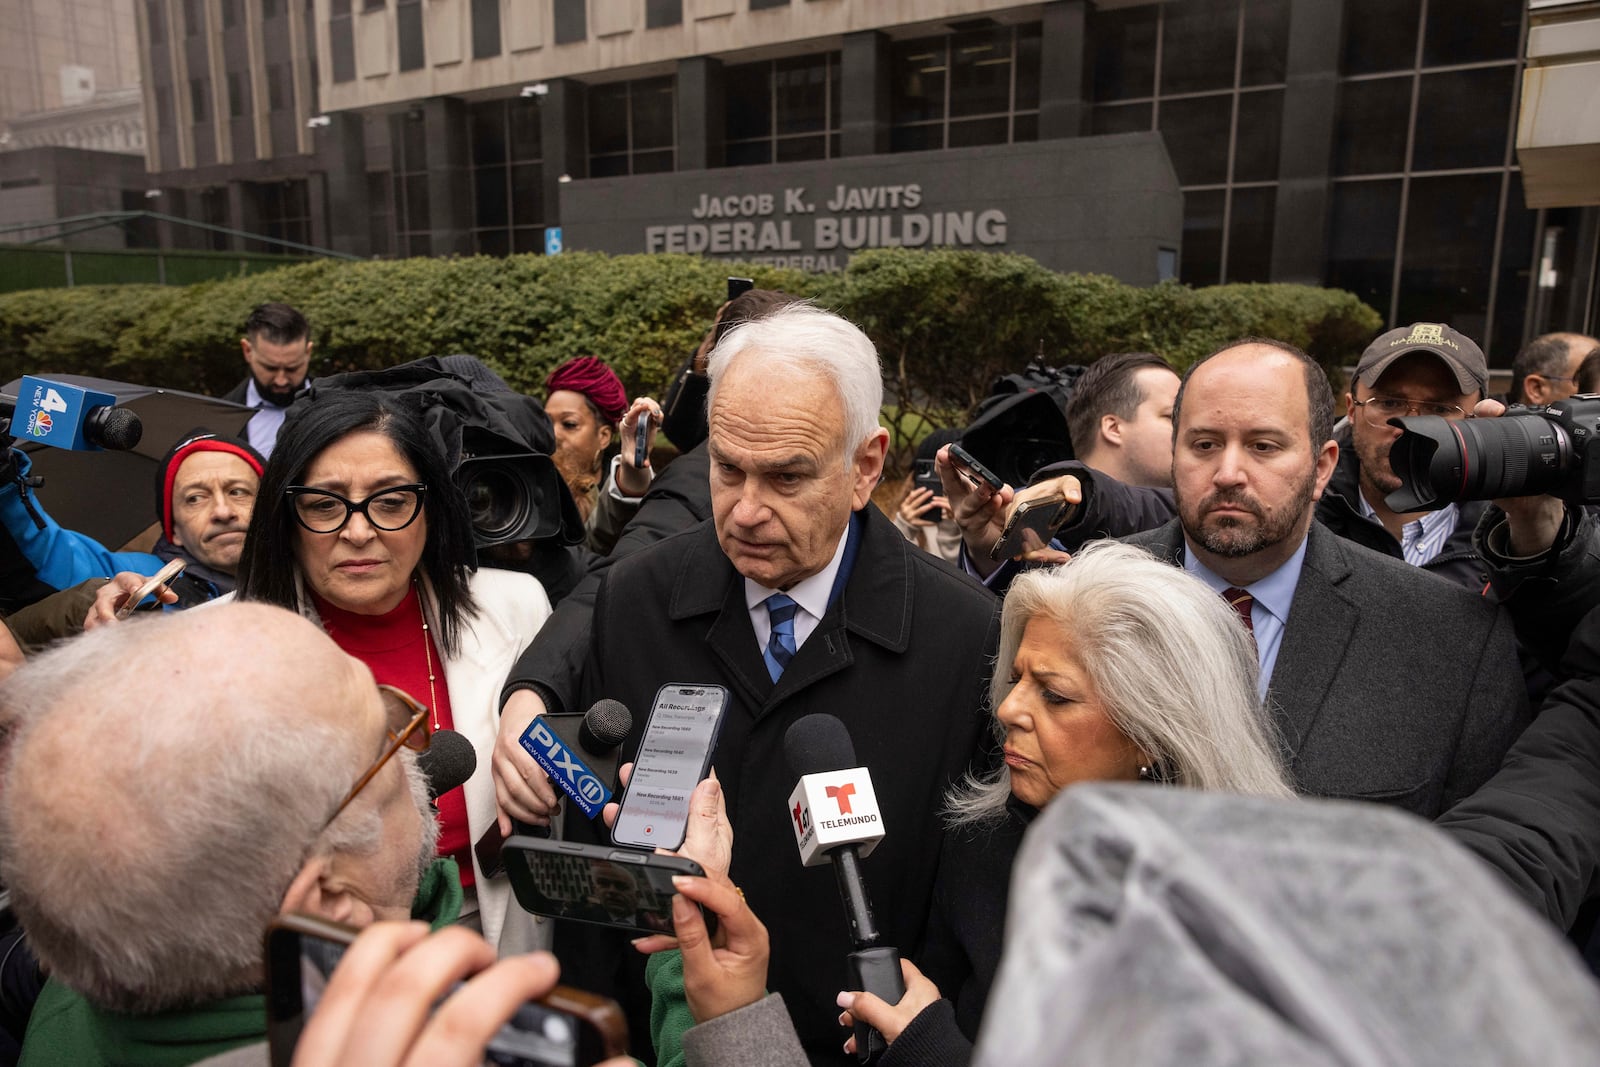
1392 684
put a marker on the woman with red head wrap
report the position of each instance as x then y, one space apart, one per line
586 401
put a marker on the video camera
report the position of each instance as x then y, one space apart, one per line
498 443
1525 452
1022 424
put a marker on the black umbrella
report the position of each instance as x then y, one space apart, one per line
109 495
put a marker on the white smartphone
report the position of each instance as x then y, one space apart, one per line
674 754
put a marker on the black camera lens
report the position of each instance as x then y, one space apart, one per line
496 502
1442 460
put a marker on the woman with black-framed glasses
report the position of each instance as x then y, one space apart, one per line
360 527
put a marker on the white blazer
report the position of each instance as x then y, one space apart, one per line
511 608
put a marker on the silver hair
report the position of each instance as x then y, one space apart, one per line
802 336
1174 667
149 829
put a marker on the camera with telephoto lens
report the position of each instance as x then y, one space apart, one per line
1553 450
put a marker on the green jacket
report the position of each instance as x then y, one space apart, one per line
66 1030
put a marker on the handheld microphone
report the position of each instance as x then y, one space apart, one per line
448 762
70 417
556 741
836 820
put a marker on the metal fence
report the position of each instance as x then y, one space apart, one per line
31 267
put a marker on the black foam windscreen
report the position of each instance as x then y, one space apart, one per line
449 762
817 743
116 428
605 726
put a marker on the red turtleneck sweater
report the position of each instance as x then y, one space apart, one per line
392 646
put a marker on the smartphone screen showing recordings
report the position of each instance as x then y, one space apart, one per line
674 754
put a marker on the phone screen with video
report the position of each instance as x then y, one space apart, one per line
674 754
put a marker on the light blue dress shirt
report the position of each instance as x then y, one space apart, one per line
1273 595
263 427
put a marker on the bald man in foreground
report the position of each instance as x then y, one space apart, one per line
169 787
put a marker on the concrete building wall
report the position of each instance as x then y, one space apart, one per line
58 53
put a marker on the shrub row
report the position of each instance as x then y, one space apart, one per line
947 322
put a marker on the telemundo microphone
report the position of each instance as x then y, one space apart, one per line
579 752
68 416
835 819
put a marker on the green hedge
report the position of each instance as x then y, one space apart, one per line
947 322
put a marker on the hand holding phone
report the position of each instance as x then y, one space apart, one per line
160 578
644 432
488 1018
598 884
972 470
1041 515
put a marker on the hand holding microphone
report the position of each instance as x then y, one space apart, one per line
835 819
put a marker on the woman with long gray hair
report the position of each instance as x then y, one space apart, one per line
1115 666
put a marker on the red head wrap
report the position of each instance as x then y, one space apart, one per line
595 380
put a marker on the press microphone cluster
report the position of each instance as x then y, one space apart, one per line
579 752
69 416
836 820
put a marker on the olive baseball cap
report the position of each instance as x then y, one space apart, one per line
1458 351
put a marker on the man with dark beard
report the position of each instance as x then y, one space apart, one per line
277 349
1385 683
1422 369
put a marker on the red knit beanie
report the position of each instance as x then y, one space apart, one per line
595 380
204 441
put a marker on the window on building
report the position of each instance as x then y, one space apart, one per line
762 5
1209 75
284 211
199 100
236 95
156 20
632 127
1427 217
408 24
379 220
280 92
166 118
507 177
412 223
269 9
230 13
782 111
342 41
194 23
571 21
975 87
659 13
374 5
485 28
214 212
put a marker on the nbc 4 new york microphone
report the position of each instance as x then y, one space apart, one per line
559 743
63 415
834 814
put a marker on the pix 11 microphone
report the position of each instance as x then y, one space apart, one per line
449 762
70 417
560 743
836 820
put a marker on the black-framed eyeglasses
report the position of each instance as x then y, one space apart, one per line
324 511
1380 409
407 727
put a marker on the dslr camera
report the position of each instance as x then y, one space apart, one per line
1527 451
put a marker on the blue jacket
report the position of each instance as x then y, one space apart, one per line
38 557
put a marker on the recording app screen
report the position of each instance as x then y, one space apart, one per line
667 769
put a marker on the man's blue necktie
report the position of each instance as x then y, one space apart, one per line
780 646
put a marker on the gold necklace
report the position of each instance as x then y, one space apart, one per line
427 653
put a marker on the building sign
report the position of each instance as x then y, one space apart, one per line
754 230
1105 204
